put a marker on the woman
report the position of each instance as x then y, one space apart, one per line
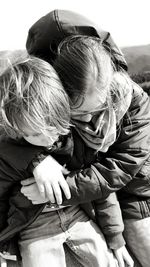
55 27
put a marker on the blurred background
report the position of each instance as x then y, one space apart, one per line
127 20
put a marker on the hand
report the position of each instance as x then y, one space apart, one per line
123 257
31 191
50 180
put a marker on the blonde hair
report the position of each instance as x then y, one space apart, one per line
31 94
85 62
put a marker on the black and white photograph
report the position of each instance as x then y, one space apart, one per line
74 133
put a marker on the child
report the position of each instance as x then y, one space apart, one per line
35 106
124 161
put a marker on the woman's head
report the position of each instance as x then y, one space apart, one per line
33 101
84 66
88 73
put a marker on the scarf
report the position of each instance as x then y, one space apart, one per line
100 132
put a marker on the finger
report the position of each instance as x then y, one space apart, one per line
23 190
119 259
29 197
65 171
57 193
41 188
116 263
65 188
121 262
129 262
28 189
49 193
128 259
28 181
35 202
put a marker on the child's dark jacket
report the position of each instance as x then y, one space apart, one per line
17 212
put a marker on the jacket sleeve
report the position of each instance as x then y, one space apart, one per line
109 218
6 185
9 178
116 168
14 160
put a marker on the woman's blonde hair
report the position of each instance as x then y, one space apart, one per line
85 62
32 95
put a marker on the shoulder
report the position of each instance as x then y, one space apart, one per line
17 154
140 103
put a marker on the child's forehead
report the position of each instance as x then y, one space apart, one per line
32 130
27 131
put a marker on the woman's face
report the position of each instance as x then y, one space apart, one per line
86 105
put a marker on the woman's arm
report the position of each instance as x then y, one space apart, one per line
113 170
109 218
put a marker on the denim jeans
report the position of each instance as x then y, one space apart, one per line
137 236
42 243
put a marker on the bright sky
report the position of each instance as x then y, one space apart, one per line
127 20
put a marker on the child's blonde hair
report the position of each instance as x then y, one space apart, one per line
85 62
32 95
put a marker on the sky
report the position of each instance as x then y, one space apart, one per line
127 20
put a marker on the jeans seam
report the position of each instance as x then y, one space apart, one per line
77 252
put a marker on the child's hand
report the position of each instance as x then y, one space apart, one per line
50 180
123 257
31 191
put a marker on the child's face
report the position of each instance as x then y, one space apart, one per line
39 139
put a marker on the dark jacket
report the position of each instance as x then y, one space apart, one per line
127 163
17 212
125 167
